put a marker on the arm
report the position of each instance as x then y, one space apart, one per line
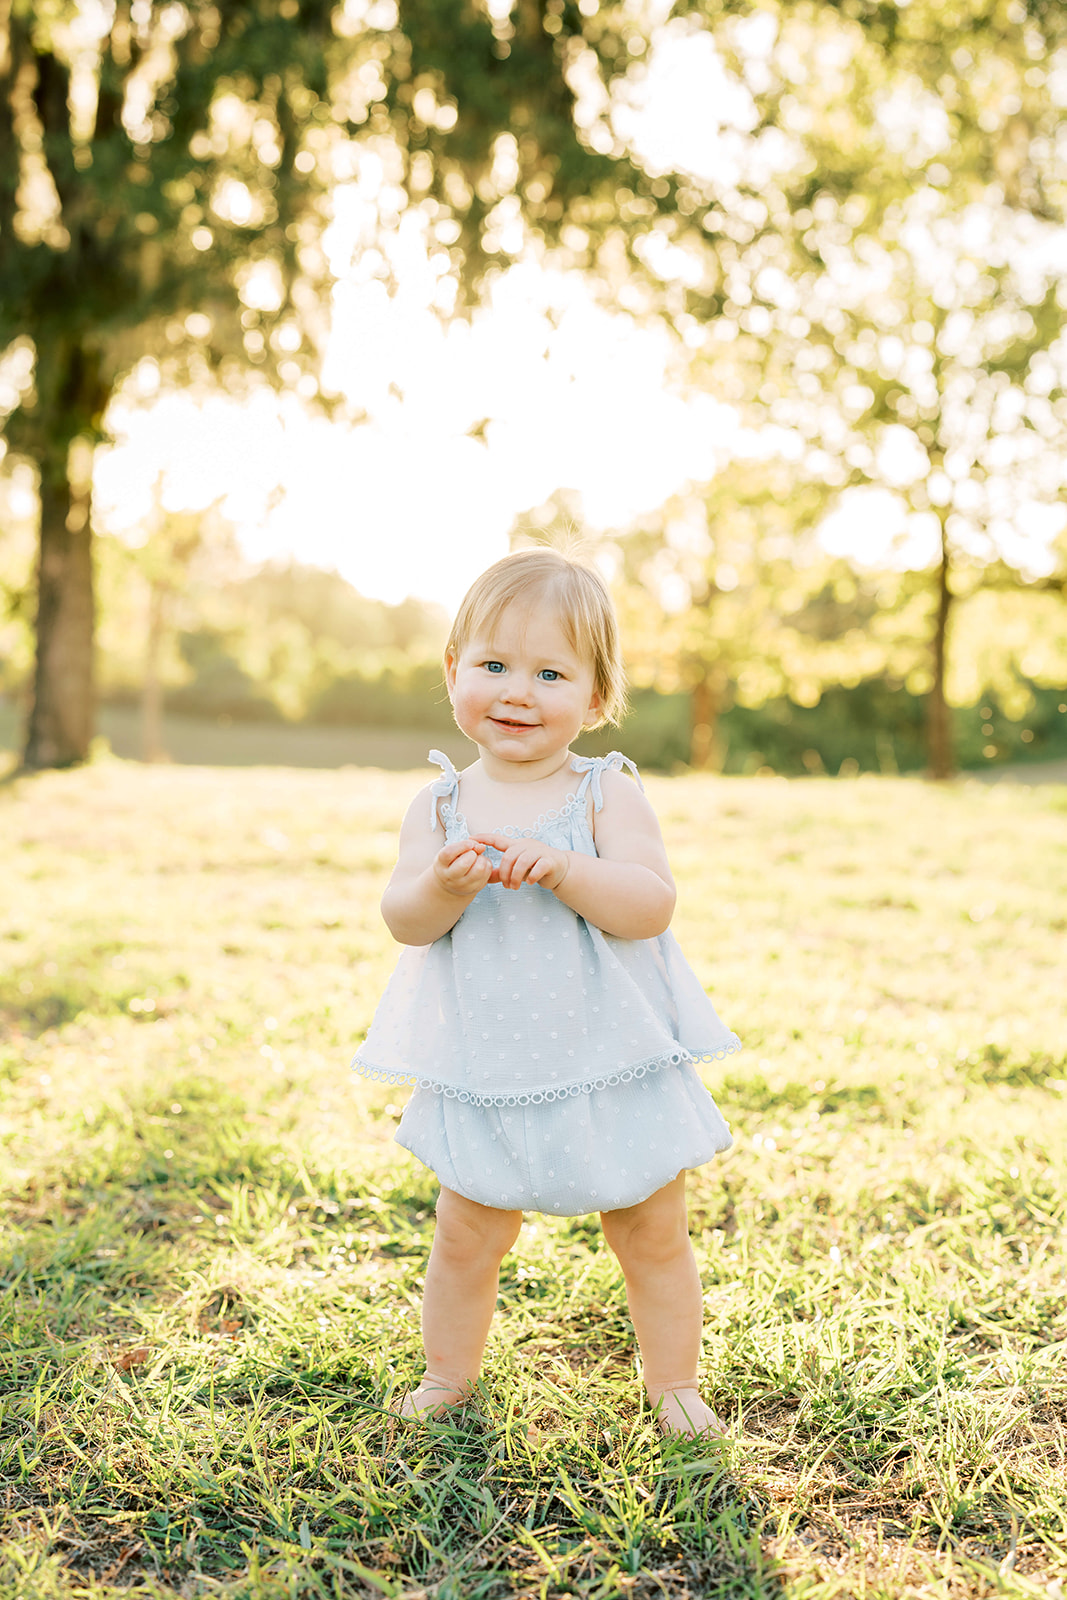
626 890
432 884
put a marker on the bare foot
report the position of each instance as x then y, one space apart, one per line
433 1397
682 1413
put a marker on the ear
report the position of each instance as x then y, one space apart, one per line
450 674
595 710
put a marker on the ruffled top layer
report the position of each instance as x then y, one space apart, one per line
523 1001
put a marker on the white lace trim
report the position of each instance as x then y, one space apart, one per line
537 1097
569 806
704 1056
444 792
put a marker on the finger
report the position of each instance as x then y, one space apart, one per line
506 864
459 847
524 865
462 864
520 865
504 872
478 871
468 876
499 841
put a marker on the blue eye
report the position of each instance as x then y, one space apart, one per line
493 666
549 674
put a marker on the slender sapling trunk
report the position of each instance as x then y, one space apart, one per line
940 741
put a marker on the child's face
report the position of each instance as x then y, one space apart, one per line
522 694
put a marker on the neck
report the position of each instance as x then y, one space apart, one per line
523 771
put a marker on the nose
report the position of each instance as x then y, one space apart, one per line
517 689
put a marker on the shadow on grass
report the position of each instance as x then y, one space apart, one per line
80 981
304 1487
169 1425
504 1509
995 1065
750 1093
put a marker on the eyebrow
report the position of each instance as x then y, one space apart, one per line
487 652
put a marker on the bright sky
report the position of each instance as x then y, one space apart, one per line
408 502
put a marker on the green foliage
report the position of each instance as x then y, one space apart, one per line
219 685
16 579
869 727
875 262
876 728
163 179
279 641
213 1251
871 273
328 607
127 226
215 134
414 697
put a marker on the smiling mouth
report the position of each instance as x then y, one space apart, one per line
505 722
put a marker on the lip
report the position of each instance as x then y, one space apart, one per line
513 727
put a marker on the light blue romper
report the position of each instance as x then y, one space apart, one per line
553 1063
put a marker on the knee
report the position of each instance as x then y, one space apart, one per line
646 1240
472 1235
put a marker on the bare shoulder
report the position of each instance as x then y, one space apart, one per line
419 806
421 833
625 797
626 828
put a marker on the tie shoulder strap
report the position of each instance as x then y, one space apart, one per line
594 768
445 788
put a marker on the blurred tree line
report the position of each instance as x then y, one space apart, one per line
189 627
870 273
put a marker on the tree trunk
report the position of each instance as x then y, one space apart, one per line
61 720
152 748
706 750
58 431
940 742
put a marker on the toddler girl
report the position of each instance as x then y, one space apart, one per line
546 1015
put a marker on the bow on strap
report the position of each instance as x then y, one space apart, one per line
595 766
443 788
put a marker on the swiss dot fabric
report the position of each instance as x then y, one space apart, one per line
552 1062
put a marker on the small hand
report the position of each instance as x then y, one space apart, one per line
462 867
525 861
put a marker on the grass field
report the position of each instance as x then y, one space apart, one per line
221 742
212 1250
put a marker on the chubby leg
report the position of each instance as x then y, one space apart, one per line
459 1299
651 1241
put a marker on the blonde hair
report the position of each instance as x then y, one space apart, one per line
577 593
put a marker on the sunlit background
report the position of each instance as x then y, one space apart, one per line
800 392
565 392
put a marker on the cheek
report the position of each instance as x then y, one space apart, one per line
573 703
466 699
